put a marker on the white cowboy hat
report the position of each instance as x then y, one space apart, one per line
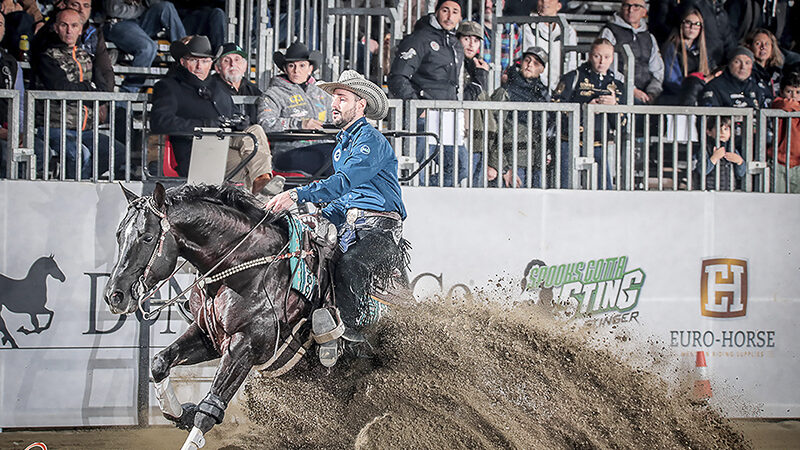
350 80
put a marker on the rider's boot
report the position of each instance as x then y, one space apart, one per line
271 189
327 331
356 345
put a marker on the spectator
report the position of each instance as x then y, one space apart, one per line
294 101
93 41
721 160
551 37
232 71
20 20
735 87
768 63
427 66
717 27
187 98
204 17
592 82
475 79
132 24
684 53
476 69
10 78
61 65
629 27
510 37
749 15
524 85
789 100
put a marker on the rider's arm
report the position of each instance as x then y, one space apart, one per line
364 162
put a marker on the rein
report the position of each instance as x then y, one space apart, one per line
205 279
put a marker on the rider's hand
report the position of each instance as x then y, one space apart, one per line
280 202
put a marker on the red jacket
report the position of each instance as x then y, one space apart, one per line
787 105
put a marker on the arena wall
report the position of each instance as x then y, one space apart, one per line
634 260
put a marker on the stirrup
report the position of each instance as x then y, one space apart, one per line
326 334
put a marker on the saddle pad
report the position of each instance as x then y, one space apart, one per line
304 280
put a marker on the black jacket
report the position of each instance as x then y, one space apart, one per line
476 80
728 91
182 102
246 89
8 80
427 64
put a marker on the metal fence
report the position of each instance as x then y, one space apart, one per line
502 144
668 147
84 135
775 136
360 38
11 153
104 137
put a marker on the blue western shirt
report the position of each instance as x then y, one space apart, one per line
365 176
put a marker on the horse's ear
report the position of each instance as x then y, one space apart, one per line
159 196
129 195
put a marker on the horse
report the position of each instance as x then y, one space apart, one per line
29 296
238 317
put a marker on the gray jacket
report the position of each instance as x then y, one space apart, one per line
284 105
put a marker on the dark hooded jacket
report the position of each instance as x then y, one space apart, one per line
427 64
183 102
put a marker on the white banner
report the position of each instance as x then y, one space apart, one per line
634 259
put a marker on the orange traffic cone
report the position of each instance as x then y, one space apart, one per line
702 387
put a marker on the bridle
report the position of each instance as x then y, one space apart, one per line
206 279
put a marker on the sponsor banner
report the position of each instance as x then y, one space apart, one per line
691 271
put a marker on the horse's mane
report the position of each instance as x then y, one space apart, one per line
229 196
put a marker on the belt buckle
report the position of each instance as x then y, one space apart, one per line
353 214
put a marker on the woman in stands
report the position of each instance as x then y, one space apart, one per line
686 63
768 61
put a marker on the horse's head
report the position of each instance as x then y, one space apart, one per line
48 266
147 254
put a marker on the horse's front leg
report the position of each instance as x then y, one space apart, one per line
233 368
192 347
35 322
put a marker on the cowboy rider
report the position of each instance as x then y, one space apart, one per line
365 204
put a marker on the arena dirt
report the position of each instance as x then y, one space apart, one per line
472 375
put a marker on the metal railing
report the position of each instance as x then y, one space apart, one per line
538 140
632 142
775 133
360 38
68 130
12 153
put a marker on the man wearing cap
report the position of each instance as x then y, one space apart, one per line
476 70
293 101
524 85
232 70
735 87
550 37
188 98
628 26
364 202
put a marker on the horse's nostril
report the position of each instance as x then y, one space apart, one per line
114 298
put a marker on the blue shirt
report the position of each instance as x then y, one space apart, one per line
365 176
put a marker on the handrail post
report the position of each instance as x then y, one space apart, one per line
630 73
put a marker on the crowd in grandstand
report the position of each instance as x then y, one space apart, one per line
734 53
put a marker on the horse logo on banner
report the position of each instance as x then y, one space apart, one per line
28 296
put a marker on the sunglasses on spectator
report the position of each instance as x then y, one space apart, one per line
691 24
632 6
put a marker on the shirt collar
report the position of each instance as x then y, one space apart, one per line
345 135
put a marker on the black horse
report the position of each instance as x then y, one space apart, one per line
28 296
238 319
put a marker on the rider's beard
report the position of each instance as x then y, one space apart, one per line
342 118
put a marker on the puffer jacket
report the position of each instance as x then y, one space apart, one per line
284 105
648 67
427 64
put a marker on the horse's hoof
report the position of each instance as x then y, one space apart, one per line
186 421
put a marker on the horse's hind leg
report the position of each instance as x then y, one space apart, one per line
191 347
6 334
35 322
233 368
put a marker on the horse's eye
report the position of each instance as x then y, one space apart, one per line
147 237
